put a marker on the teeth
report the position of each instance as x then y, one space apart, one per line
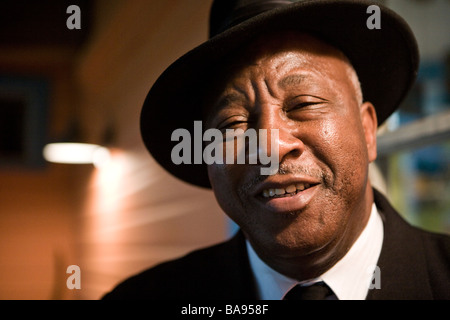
267 193
291 188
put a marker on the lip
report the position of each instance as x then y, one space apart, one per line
274 182
288 204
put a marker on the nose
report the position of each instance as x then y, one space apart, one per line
288 142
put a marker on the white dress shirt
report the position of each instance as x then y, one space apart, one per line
350 278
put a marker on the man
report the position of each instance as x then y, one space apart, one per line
313 74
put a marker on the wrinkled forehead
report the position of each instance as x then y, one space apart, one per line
270 46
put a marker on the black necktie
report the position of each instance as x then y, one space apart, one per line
316 291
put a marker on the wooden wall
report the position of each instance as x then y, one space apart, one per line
136 214
130 214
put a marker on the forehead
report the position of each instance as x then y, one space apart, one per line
278 55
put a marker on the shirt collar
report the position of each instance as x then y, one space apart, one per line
349 278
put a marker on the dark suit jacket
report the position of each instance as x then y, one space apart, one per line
414 264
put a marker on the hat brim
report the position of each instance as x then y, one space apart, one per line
386 61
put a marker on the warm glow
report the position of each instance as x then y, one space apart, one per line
76 153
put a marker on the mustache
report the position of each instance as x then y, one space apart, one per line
289 169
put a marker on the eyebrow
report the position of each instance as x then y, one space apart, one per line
229 99
223 102
290 80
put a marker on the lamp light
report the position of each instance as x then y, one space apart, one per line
71 151
76 153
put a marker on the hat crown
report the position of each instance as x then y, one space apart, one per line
228 13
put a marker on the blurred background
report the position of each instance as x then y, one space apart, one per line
123 213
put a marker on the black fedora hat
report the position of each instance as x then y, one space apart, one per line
386 61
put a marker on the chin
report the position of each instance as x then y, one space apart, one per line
294 240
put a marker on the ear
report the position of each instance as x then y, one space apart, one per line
370 126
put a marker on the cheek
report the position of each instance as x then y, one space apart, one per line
217 177
223 182
342 148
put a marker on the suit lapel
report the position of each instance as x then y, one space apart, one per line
234 272
402 261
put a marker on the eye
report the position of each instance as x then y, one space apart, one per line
305 107
303 103
233 122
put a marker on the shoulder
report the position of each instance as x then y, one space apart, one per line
156 282
436 244
437 256
192 276
415 263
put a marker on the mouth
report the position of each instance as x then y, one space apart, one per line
289 191
287 196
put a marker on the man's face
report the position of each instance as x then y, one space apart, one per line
307 90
